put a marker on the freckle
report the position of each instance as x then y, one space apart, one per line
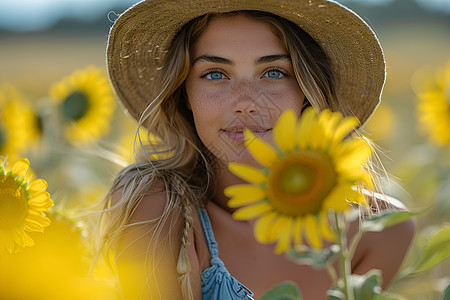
244 86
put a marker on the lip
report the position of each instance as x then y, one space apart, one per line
236 133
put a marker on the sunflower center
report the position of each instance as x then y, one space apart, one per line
295 179
300 182
13 203
75 105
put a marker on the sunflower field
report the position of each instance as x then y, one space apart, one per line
63 138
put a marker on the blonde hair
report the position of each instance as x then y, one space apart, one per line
179 159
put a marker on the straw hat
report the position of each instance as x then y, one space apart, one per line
139 39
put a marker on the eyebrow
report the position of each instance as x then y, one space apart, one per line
222 60
213 59
271 58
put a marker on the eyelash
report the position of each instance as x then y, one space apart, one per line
211 71
281 70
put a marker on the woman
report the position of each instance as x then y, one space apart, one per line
195 74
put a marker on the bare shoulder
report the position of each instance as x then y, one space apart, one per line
150 241
387 249
152 197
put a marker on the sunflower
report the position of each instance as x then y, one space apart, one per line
19 126
22 206
143 146
87 104
313 170
434 106
55 268
381 124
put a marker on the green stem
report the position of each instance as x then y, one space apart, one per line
354 243
344 258
332 273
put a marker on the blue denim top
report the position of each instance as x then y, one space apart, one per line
217 283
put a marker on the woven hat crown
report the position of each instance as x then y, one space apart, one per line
140 37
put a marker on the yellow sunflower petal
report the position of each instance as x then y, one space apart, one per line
284 236
351 153
337 198
366 179
277 226
312 231
331 124
28 241
331 132
260 150
248 173
17 236
324 117
38 185
244 194
318 141
297 231
355 173
262 228
40 201
356 196
33 225
21 166
311 133
344 128
10 244
284 132
325 227
21 238
252 211
306 122
38 217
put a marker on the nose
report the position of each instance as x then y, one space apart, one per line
245 96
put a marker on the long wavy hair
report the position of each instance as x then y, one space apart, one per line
176 156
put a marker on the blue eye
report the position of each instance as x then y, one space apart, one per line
215 75
274 74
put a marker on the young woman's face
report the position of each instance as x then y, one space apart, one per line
240 77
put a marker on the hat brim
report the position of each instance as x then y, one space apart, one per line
139 39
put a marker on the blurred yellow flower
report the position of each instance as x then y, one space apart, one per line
434 105
141 147
87 104
313 169
19 126
22 206
53 269
381 124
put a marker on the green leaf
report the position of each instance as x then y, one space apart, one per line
386 219
436 249
335 294
366 286
446 293
318 259
283 291
386 297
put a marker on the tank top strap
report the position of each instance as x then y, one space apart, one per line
209 234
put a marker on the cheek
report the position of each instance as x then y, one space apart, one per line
205 104
204 107
290 97
206 113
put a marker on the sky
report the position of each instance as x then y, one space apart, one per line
23 15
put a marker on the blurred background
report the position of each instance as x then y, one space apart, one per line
42 44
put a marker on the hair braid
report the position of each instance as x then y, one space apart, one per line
183 264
